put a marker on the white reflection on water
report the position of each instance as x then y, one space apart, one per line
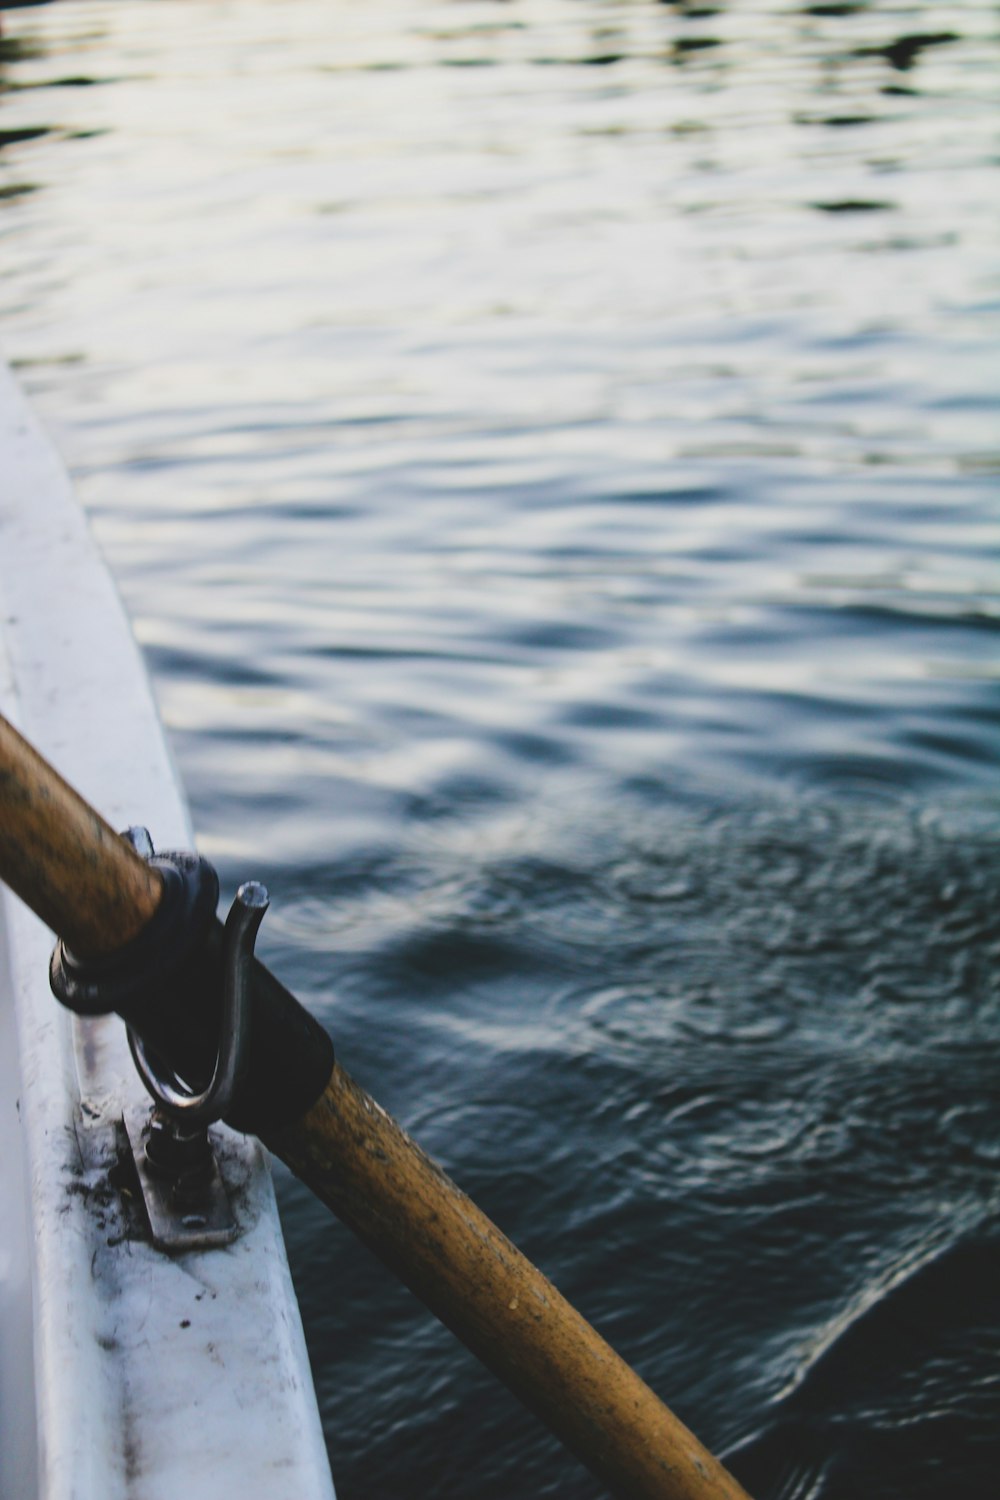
549 452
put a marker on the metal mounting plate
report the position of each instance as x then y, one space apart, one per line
199 1217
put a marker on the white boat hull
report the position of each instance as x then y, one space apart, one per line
153 1375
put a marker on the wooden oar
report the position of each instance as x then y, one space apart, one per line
92 888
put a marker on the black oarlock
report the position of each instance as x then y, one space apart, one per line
169 985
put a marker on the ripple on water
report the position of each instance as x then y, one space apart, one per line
558 503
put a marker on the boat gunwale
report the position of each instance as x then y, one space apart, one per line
151 1371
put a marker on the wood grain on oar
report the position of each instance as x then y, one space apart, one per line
361 1164
64 860
91 887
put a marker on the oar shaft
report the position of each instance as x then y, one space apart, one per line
64 860
95 892
359 1162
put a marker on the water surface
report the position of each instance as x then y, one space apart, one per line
549 451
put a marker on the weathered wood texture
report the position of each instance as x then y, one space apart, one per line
94 891
63 860
359 1162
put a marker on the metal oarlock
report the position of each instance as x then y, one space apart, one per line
183 1191
187 987
170 1093
182 1188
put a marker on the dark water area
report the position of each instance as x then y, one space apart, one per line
550 452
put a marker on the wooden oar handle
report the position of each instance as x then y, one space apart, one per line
358 1161
64 861
95 892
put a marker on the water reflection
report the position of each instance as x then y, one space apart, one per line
549 452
